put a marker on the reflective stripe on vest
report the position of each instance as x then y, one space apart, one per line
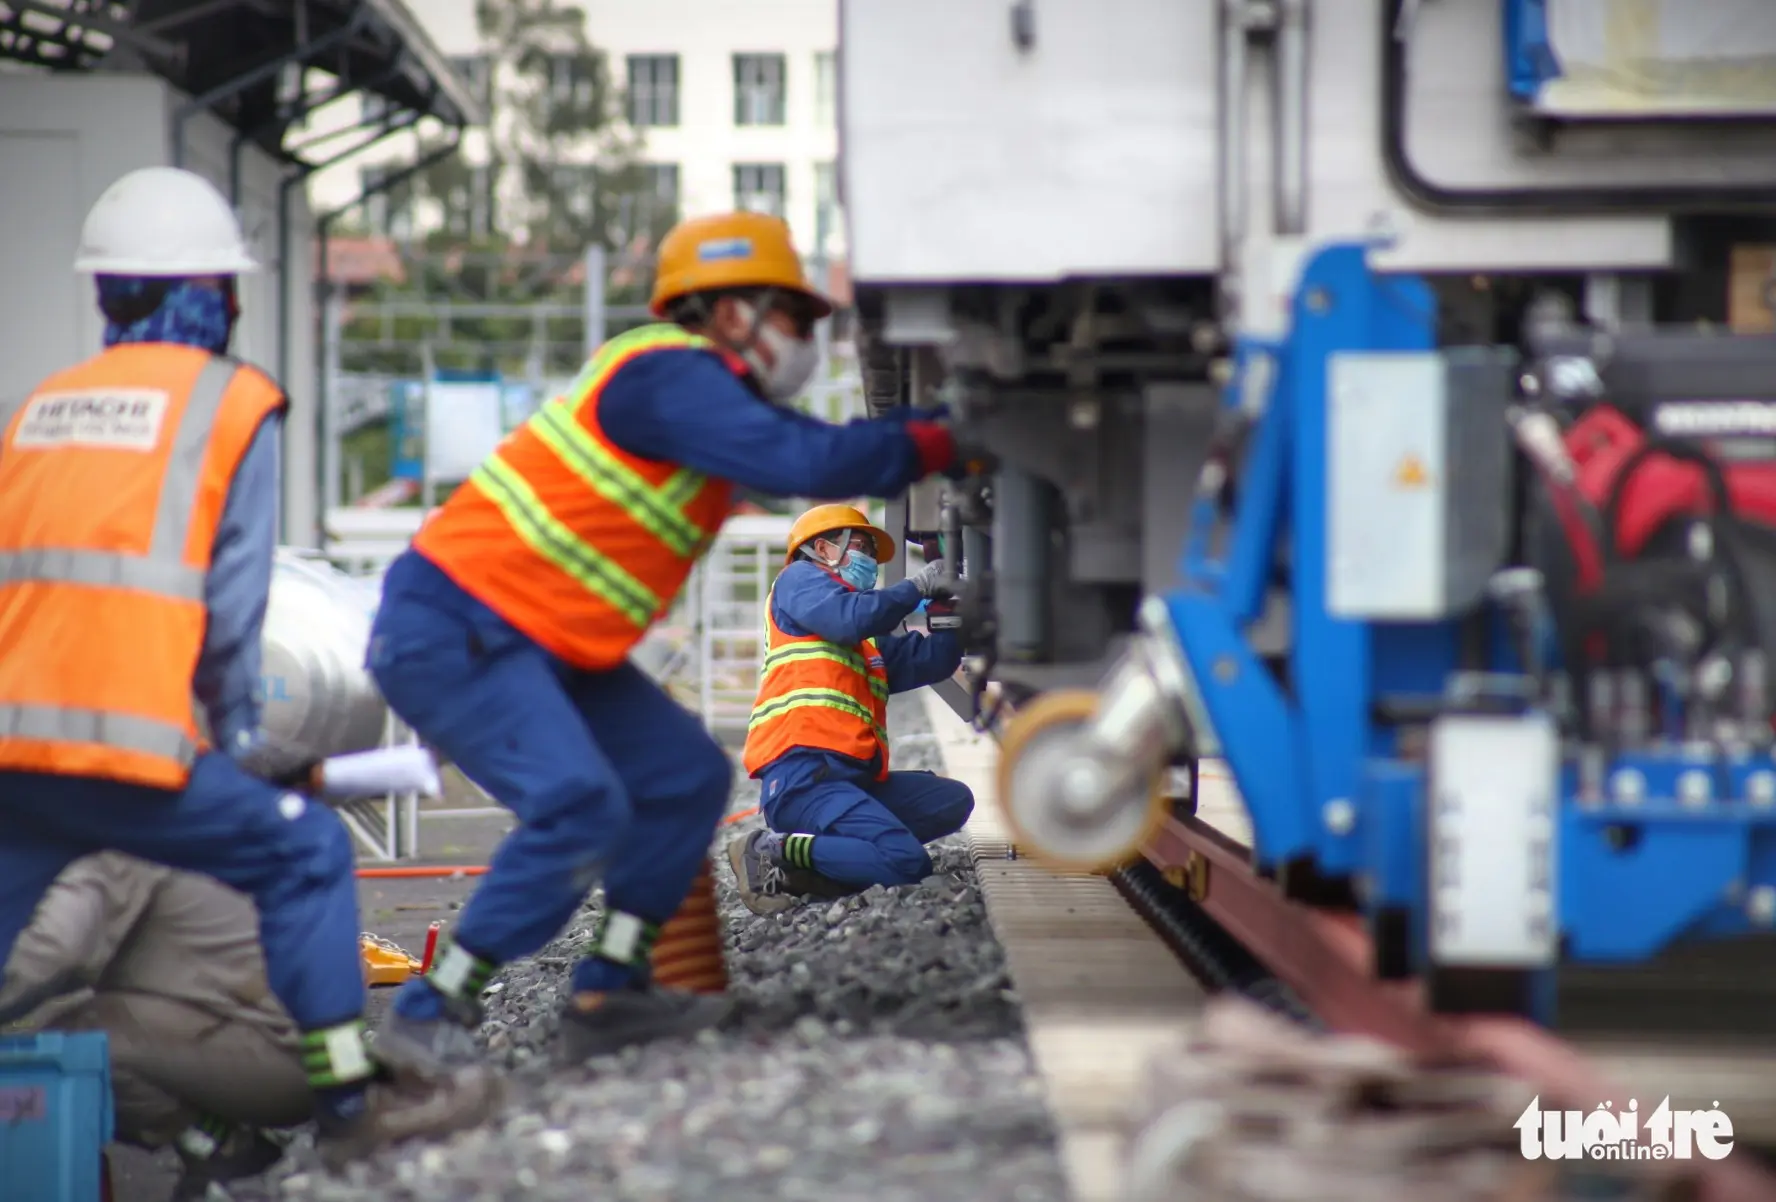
658 509
126 732
161 571
775 728
574 541
551 539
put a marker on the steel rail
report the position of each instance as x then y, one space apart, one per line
1323 960
1325 957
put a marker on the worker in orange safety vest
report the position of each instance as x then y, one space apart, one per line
504 633
839 820
138 521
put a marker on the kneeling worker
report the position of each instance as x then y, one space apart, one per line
839 820
168 965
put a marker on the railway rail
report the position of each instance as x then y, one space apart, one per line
1103 999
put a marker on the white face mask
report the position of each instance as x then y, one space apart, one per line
794 359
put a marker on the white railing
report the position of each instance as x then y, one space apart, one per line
733 582
362 541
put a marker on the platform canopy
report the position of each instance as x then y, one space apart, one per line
246 60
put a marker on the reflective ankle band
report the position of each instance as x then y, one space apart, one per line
336 1056
623 938
798 851
459 973
200 1140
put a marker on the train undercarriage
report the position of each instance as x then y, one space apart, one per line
1091 231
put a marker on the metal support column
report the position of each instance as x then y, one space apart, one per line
324 286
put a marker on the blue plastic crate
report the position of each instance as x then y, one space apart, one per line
55 1116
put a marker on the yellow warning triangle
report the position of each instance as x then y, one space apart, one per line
1411 473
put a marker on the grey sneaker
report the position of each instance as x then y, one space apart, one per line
805 882
762 881
405 1106
426 1047
626 1017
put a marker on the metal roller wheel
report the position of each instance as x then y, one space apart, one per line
1039 745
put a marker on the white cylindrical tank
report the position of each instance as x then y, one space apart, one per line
318 700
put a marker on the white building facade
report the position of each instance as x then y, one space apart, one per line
734 101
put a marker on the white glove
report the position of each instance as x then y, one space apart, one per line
930 579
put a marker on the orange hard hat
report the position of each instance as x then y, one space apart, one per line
823 519
730 250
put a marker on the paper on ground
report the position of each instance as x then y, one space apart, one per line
384 770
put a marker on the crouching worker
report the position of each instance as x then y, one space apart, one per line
168 965
505 631
839 820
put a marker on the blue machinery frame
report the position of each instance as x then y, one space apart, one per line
1634 870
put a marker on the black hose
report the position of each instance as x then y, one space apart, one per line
1212 955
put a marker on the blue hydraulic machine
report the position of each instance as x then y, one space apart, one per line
1523 717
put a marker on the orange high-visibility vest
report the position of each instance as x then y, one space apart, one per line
575 542
113 476
818 696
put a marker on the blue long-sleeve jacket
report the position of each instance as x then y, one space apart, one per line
808 600
684 406
237 591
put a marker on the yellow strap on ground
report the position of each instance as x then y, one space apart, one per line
384 962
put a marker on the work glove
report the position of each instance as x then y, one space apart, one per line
933 444
929 580
939 451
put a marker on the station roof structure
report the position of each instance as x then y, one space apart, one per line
245 60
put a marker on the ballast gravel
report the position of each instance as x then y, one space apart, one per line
877 1053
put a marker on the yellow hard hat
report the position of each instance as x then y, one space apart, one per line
823 519
730 250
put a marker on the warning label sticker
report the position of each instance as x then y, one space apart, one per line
1411 472
122 419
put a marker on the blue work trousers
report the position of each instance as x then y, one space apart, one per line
606 773
293 857
867 832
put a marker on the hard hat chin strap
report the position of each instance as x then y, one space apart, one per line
760 306
840 537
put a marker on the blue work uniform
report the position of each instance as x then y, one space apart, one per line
605 772
867 831
294 859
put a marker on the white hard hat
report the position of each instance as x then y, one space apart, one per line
162 221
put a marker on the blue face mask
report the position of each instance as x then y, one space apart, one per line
859 572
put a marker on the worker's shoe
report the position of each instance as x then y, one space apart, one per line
401 1106
767 884
429 1047
239 1154
639 1013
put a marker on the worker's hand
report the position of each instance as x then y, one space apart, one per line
941 451
304 777
929 580
933 444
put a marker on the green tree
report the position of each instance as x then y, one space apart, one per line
563 156
564 162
